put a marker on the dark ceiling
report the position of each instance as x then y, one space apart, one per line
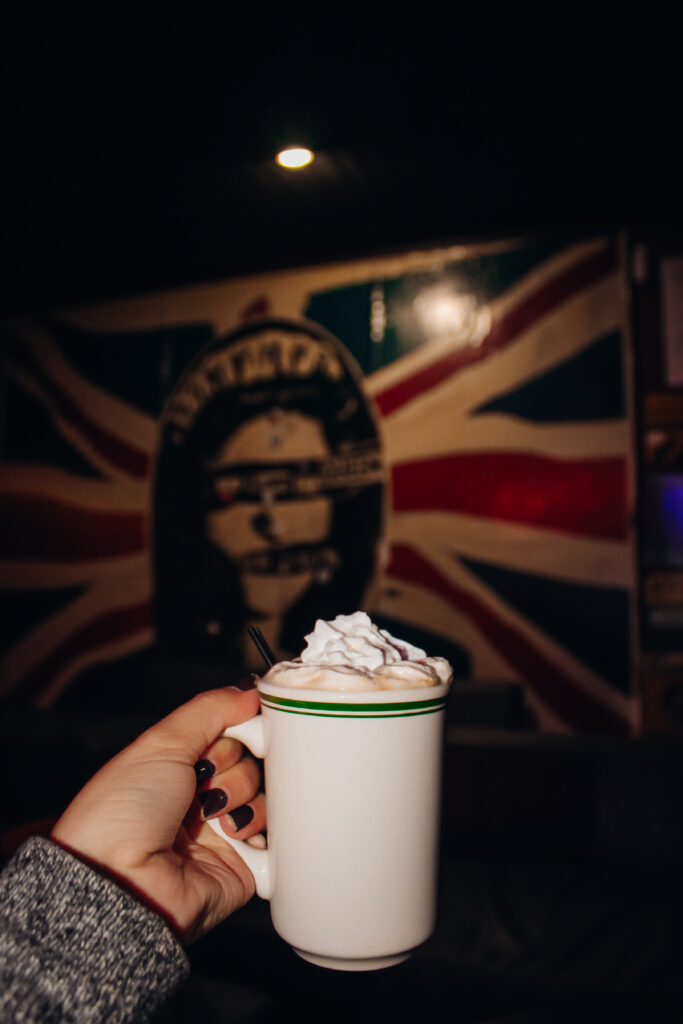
139 158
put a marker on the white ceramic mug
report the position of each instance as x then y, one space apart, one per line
352 784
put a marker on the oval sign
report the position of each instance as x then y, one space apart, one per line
269 493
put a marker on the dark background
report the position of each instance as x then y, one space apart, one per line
138 155
139 150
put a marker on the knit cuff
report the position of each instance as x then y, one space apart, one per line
73 945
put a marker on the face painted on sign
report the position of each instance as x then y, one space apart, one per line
272 455
269 518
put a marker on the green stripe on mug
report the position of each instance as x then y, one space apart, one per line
330 709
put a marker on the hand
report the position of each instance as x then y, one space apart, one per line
131 820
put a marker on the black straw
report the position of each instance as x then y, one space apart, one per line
264 650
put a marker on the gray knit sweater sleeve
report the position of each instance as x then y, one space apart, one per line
76 947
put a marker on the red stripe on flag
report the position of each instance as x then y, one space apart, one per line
587 497
44 530
576 708
504 331
102 630
119 453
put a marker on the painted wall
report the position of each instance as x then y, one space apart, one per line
443 436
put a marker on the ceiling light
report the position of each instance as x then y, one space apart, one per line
294 157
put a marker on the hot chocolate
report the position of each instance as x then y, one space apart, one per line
352 653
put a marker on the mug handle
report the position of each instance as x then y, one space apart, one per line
252 734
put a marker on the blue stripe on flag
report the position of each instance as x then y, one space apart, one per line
138 366
23 609
592 623
589 386
32 438
345 311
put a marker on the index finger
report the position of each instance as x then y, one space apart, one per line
190 729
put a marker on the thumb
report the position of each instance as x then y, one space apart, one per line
190 729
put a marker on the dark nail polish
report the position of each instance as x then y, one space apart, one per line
204 770
246 683
240 817
212 801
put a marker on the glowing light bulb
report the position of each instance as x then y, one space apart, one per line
294 157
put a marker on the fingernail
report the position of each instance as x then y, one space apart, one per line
246 683
212 801
240 817
204 770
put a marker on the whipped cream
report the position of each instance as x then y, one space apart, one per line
351 653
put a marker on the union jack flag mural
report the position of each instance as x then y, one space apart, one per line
501 376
